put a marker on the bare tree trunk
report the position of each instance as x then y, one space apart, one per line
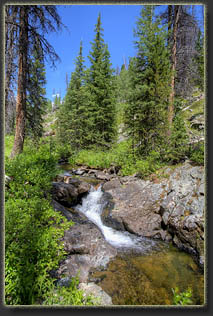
22 78
10 65
174 62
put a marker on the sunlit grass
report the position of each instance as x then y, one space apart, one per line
9 140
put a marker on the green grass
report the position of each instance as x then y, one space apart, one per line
9 140
121 157
33 231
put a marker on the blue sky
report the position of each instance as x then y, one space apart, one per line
118 22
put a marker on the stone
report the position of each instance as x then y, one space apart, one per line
7 180
102 176
64 193
84 187
71 192
170 209
110 185
100 297
86 249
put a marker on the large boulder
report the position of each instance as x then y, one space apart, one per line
69 191
86 249
172 209
64 193
136 208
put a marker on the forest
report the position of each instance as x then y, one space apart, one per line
137 120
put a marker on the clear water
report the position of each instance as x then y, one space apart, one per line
146 275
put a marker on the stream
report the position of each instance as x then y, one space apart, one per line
92 207
145 270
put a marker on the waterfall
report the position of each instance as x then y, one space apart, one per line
92 207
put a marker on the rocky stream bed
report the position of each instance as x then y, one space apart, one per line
133 240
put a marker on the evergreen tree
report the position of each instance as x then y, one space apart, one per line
123 84
73 116
33 23
101 87
146 111
36 101
198 62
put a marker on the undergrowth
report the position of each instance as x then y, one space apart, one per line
33 231
121 157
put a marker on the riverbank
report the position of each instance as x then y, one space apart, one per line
89 253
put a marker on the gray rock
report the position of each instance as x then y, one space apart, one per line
102 176
71 192
173 207
7 180
64 282
100 297
86 249
64 193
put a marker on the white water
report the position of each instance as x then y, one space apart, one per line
92 207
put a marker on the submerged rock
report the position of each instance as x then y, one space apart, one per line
101 297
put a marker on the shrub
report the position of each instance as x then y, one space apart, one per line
182 298
32 228
196 154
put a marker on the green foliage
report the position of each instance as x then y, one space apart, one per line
196 154
123 85
88 115
73 125
178 147
67 295
146 111
182 298
32 228
119 156
9 141
198 62
101 84
36 101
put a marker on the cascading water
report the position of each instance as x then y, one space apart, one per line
92 207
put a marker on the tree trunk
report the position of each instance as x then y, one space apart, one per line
22 78
174 62
10 66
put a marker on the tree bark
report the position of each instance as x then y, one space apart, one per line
10 65
22 78
174 63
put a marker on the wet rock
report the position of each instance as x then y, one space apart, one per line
101 297
64 193
70 191
84 187
135 209
110 220
172 208
87 249
70 214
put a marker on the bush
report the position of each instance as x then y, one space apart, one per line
32 228
121 157
182 298
196 154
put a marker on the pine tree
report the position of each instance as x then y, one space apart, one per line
33 23
123 84
146 111
36 101
73 116
198 62
100 82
